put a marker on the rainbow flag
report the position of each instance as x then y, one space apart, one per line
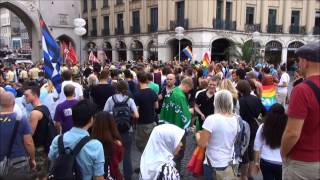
205 60
196 162
268 96
187 51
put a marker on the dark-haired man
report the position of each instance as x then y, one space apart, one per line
39 118
67 79
147 102
282 86
63 114
101 92
91 157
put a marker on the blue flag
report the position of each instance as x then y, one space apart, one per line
187 51
51 55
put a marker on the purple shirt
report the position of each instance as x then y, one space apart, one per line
64 114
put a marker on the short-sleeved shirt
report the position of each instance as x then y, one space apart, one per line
90 158
303 105
154 87
108 107
100 94
7 122
205 103
223 132
64 114
78 90
145 100
285 78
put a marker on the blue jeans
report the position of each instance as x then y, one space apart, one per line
127 164
270 171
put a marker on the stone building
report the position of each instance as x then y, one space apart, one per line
135 29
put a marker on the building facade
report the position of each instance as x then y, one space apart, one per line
58 16
144 29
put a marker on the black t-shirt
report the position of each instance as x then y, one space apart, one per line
250 108
100 94
145 99
205 103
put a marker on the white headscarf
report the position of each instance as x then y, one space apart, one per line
160 150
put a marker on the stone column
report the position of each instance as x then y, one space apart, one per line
129 54
310 16
145 53
115 55
286 16
264 15
284 55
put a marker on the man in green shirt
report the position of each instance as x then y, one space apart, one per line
152 85
175 110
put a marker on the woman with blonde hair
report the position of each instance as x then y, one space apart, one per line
227 85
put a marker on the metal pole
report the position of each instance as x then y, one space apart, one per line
255 53
80 51
179 50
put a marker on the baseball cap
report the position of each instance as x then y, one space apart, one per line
310 52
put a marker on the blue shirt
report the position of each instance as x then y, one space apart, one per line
7 122
91 156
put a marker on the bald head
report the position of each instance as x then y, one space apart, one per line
171 80
7 100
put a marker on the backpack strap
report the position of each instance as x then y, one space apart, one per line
117 102
13 137
314 88
60 144
114 100
80 144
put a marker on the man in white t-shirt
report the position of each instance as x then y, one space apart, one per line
67 79
282 90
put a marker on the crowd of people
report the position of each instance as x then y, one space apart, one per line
88 129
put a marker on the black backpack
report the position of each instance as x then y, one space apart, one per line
65 167
122 114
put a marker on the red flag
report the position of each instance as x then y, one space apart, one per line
72 55
93 58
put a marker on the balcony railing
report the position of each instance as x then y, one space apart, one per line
119 2
135 29
272 28
218 23
252 27
184 24
316 30
152 28
230 25
226 25
93 33
297 29
105 32
119 31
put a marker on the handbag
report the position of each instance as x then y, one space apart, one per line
5 163
195 165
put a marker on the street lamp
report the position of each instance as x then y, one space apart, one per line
79 29
179 35
255 39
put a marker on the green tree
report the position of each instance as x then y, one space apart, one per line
243 51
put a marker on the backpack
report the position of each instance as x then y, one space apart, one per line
122 114
51 130
242 139
5 163
65 167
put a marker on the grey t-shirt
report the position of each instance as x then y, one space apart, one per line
108 107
